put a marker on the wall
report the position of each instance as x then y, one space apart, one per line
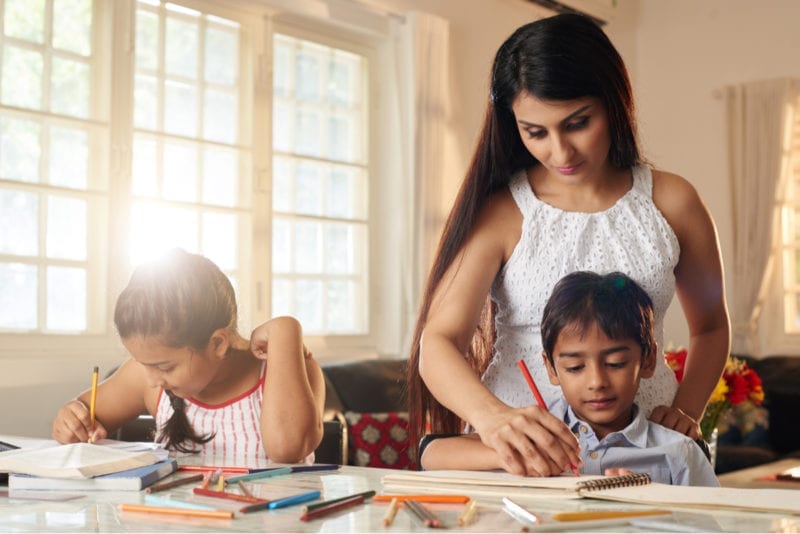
686 50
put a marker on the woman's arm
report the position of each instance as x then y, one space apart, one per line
120 398
460 452
528 440
294 391
701 291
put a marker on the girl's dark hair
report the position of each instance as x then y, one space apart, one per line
614 302
564 57
179 300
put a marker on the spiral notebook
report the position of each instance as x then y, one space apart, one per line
636 488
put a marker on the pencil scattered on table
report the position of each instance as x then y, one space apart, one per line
391 512
292 500
332 508
244 489
257 475
175 483
469 515
438 499
217 514
311 507
520 514
226 495
607 514
425 516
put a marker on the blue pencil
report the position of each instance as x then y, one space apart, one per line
294 499
259 474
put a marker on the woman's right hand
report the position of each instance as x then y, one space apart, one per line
73 424
530 441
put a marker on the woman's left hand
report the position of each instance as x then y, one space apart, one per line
675 419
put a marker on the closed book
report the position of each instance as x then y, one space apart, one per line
128 480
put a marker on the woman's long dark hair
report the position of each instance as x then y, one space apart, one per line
564 57
179 300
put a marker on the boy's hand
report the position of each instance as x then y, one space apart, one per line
73 425
530 441
676 419
617 471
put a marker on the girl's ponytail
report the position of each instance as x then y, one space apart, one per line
177 431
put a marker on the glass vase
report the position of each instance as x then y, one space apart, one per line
712 447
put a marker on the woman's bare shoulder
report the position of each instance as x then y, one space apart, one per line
673 194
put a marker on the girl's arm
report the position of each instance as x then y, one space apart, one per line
120 398
701 291
460 452
528 440
294 391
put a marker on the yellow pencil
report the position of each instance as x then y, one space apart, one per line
583 516
469 514
221 483
391 512
93 398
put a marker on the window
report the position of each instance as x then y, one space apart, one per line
216 133
790 235
319 177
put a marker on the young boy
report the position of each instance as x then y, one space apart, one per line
597 334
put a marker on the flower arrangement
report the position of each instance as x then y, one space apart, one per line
739 384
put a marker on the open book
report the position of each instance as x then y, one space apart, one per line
635 488
81 460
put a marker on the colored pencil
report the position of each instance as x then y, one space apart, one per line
423 514
213 468
391 512
469 514
244 489
609 514
260 474
217 514
226 495
531 384
312 507
174 483
93 397
331 508
452 499
294 499
155 500
314 467
519 513
255 507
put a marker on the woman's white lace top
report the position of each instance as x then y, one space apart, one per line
631 236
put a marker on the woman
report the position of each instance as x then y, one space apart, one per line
557 185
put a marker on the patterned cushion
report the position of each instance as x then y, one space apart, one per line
379 440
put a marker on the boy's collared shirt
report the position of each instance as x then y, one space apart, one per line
669 457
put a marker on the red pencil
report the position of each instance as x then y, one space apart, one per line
531 383
227 495
331 508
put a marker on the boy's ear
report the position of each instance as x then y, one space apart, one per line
551 373
219 342
649 362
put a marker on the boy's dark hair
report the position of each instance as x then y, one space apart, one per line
178 300
614 302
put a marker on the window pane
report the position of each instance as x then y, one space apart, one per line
24 19
66 298
308 191
307 255
20 149
66 228
341 307
281 246
308 310
307 136
145 96
180 172
180 109
69 92
69 157
343 88
19 297
220 177
346 193
144 179
19 223
22 77
282 127
156 229
72 26
281 78
339 249
281 297
146 40
220 232
222 56
341 138
181 48
220 117
308 76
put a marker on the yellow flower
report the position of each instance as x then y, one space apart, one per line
720 392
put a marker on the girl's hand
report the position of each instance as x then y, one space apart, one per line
259 343
530 441
73 425
676 419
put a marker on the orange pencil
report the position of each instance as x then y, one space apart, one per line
457 499
218 514
531 383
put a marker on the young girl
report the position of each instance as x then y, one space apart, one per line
556 185
190 369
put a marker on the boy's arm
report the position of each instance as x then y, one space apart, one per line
460 452
294 391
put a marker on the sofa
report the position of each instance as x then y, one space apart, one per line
778 439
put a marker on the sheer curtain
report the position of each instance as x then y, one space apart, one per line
759 118
420 46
